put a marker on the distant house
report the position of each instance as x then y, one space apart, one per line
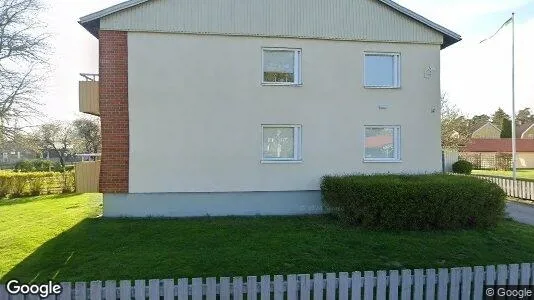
490 131
486 147
53 155
11 153
525 131
487 131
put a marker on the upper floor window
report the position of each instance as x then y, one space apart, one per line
382 70
281 66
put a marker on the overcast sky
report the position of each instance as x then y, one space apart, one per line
476 77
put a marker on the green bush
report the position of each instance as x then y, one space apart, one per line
4 185
34 165
41 165
414 202
18 184
462 167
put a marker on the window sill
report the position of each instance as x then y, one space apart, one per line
381 161
281 161
281 84
382 87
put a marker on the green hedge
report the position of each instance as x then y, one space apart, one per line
462 167
18 184
414 202
40 165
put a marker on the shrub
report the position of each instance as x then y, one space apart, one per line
34 165
17 184
69 181
37 183
503 161
4 185
56 167
462 167
414 202
474 158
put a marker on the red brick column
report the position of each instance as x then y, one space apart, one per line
113 71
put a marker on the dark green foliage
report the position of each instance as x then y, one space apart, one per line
462 167
35 165
506 131
40 165
498 116
414 202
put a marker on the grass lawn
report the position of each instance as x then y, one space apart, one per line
60 238
521 173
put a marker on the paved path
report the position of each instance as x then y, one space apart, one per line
520 212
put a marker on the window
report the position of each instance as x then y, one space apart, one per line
382 143
5 157
382 70
281 66
281 143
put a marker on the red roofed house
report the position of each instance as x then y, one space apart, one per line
489 148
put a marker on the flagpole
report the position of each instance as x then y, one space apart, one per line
513 101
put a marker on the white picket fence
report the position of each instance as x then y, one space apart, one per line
519 189
448 158
455 283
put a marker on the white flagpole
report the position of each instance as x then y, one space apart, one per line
514 168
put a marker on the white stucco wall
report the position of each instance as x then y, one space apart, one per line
196 107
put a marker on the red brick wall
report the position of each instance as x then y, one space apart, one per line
113 71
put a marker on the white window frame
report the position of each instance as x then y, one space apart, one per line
396 72
396 144
297 144
297 78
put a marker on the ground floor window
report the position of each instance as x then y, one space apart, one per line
382 143
281 143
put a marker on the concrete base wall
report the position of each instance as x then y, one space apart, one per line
213 204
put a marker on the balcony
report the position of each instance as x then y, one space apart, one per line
89 95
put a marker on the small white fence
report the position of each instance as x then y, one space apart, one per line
455 283
449 157
519 189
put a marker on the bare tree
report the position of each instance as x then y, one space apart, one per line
454 126
87 133
22 58
58 138
524 116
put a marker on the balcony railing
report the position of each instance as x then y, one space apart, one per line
89 94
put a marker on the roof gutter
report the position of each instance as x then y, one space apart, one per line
449 37
91 22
